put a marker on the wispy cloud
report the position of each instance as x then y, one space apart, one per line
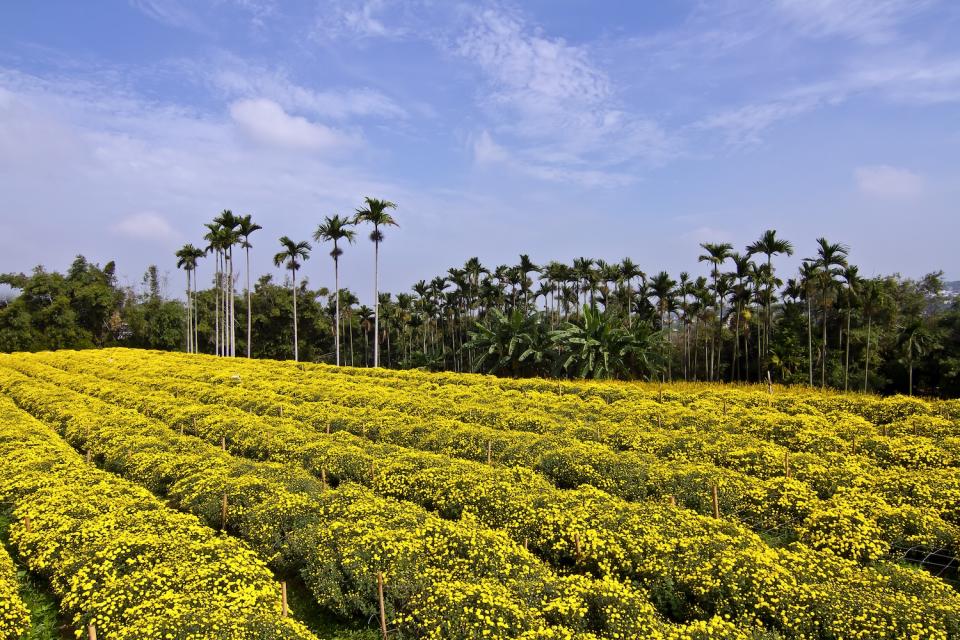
555 107
869 21
886 182
266 122
145 225
237 79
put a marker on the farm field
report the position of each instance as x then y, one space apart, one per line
170 495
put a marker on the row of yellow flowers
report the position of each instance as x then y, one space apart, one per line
14 616
693 566
339 539
917 440
120 560
868 513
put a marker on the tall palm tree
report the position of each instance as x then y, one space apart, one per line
333 229
852 279
873 297
291 256
830 262
218 238
769 245
523 268
628 271
808 273
245 227
187 258
375 212
229 223
716 254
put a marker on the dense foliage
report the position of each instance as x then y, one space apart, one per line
825 326
536 508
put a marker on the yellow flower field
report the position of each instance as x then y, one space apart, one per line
492 508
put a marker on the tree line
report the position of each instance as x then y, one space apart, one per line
743 321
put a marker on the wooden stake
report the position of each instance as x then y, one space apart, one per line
673 500
786 465
283 600
383 607
489 453
576 542
92 631
328 427
526 544
716 502
280 411
223 443
853 444
884 431
26 522
323 478
373 470
89 456
223 513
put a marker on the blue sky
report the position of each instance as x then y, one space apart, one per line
556 128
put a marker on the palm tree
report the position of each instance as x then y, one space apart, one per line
829 264
769 245
852 280
629 271
525 267
716 254
333 229
808 272
229 223
245 228
873 297
187 260
376 214
916 340
290 257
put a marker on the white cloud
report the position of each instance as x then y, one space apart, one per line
552 107
239 80
746 125
346 19
266 122
870 21
145 225
884 181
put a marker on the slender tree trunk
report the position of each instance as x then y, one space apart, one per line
249 305
810 337
216 305
296 353
336 284
866 360
910 362
846 366
823 362
376 303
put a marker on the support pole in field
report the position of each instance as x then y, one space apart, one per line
323 478
328 427
673 500
223 513
786 465
284 611
716 502
89 456
373 471
853 444
26 523
280 410
884 431
383 606
92 631
489 452
223 443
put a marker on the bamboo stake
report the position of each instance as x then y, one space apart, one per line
89 456
323 477
383 607
92 631
373 471
283 600
786 465
328 427
26 522
223 443
673 500
489 453
853 443
716 502
280 410
884 431
223 513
